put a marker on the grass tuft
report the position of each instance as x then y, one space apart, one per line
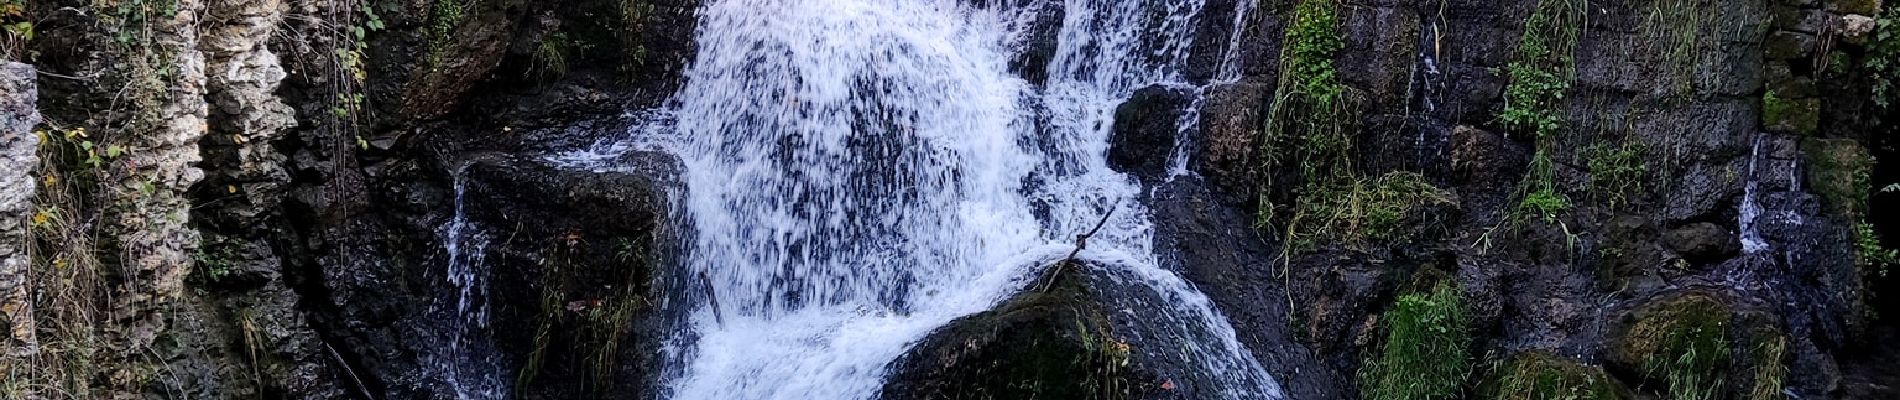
1423 356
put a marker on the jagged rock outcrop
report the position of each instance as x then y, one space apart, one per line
19 156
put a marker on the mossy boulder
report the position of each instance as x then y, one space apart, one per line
1052 341
1838 170
1790 115
1699 346
1538 375
1680 342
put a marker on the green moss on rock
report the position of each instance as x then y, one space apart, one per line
1802 116
1682 343
1838 170
1543 376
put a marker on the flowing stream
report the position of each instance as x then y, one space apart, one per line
861 172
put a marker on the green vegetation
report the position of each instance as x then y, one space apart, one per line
1840 170
67 273
551 55
16 29
1873 257
1307 112
1883 57
1682 343
1671 31
444 17
1545 376
1423 356
1389 208
1791 115
1308 115
1540 75
594 318
1310 126
1770 374
214 261
1617 172
633 16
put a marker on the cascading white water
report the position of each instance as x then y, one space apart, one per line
1750 209
860 172
470 366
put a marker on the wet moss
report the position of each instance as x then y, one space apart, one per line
1545 376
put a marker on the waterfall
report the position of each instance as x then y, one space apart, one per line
1750 209
471 366
861 172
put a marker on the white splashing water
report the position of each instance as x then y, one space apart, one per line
471 366
1750 209
860 172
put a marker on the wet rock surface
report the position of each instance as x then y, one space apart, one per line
1145 129
1052 340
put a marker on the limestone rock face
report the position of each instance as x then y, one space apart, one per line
19 146
247 117
145 200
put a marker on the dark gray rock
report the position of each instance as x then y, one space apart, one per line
1039 43
1053 340
1145 130
1231 118
1703 242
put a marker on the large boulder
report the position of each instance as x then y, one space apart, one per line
1145 130
1052 341
572 258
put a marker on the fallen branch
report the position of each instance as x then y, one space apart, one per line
1081 242
711 297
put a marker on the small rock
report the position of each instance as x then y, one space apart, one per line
1855 28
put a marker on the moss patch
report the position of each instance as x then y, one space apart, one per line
1682 343
1424 353
1840 171
1801 116
1545 376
